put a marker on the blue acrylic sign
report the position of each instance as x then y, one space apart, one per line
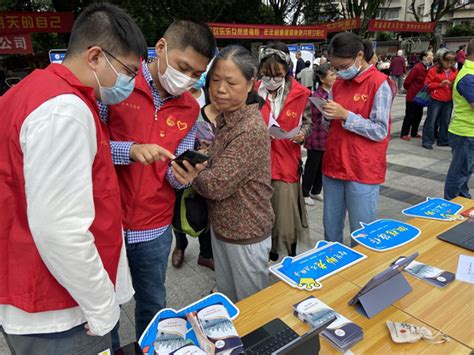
151 52
435 208
149 335
307 47
385 234
57 55
293 47
306 270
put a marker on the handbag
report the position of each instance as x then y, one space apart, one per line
190 213
423 98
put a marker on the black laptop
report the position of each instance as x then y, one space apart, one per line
277 338
462 235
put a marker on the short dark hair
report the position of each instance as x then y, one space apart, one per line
322 72
241 57
348 44
109 27
307 64
246 63
197 35
443 57
270 64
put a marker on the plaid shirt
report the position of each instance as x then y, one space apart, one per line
376 126
317 138
121 156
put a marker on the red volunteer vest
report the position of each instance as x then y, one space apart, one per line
25 281
349 156
147 197
286 155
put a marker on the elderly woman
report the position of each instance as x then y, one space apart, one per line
237 179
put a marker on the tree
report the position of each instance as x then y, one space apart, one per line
437 10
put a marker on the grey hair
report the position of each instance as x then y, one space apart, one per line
241 57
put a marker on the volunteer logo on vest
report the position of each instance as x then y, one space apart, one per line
170 121
182 125
292 114
162 134
362 97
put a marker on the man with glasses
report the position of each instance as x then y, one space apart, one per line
63 269
158 117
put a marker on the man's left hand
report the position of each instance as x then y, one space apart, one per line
186 176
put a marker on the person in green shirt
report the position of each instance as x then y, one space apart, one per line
461 131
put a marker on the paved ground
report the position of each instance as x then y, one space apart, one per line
413 173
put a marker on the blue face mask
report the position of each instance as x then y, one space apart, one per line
349 73
201 82
121 90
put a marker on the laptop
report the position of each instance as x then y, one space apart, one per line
277 338
461 235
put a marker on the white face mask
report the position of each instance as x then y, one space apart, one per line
272 84
173 81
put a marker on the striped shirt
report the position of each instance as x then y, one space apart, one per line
121 156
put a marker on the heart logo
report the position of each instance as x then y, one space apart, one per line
364 97
182 125
170 121
162 134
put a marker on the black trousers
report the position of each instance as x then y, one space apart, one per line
313 173
205 247
411 122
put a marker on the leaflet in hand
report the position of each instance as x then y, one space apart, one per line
342 334
429 274
279 133
319 103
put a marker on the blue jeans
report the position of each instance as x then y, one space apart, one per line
460 169
359 200
148 262
438 111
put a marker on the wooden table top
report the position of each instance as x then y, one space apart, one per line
277 302
450 309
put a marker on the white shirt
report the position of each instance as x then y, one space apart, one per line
59 144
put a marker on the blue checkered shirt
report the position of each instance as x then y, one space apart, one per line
376 127
121 156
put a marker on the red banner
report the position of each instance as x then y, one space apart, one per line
16 44
343 25
400 26
246 31
26 22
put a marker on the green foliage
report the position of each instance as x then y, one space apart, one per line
384 36
462 30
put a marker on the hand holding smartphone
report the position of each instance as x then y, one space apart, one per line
192 157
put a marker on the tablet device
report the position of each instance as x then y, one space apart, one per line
385 275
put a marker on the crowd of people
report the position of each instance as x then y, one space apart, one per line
89 179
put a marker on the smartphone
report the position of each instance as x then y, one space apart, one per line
192 157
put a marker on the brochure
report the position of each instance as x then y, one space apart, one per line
429 274
171 335
342 334
173 332
215 331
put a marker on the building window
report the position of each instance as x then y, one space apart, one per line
388 14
